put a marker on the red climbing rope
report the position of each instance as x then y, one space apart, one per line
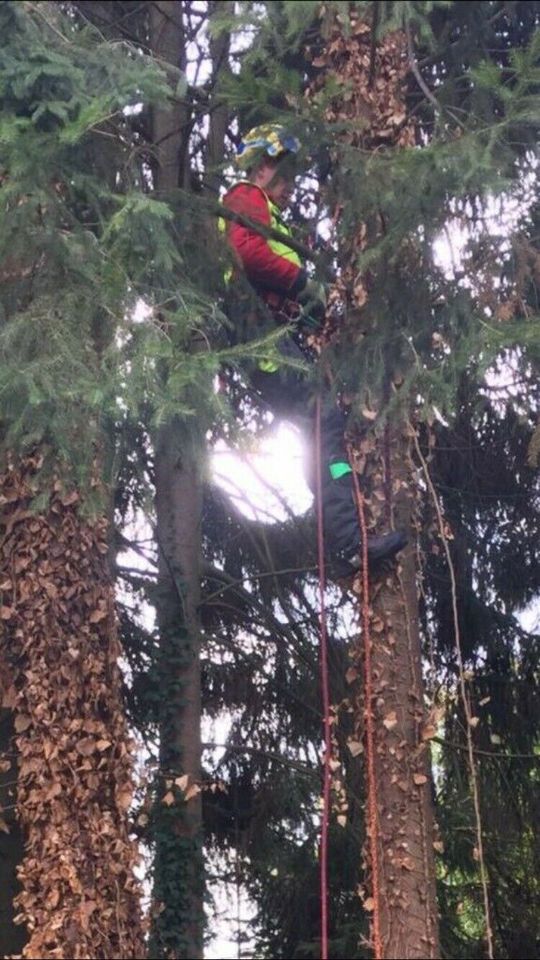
372 815
325 697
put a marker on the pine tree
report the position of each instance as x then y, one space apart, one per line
394 283
178 889
65 288
401 894
138 208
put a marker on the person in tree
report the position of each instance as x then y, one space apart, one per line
267 157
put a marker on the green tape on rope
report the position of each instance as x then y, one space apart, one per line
339 469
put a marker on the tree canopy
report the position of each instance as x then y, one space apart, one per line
424 220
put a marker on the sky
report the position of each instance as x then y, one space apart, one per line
267 481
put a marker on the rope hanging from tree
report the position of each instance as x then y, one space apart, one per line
372 815
325 696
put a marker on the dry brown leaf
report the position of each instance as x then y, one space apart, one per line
355 747
124 798
168 799
22 722
97 615
86 910
419 779
51 793
70 498
10 698
369 414
428 732
390 720
53 898
86 747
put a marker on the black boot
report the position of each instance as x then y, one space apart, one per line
380 549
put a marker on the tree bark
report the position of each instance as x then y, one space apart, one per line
406 879
178 916
219 111
178 931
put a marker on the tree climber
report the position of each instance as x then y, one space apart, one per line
267 158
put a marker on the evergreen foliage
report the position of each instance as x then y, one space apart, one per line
85 242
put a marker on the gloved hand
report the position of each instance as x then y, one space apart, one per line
313 301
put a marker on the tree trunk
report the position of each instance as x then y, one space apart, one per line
219 47
179 887
79 897
178 930
405 879
403 889
12 936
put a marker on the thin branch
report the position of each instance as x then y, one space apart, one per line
465 699
497 755
244 748
416 72
306 252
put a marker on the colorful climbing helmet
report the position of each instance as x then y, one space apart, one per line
268 139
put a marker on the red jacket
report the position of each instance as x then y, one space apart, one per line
268 272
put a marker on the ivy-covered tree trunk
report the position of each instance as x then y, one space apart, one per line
178 887
179 869
61 680
403 883
401 890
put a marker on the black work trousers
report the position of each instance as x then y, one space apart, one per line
288 395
